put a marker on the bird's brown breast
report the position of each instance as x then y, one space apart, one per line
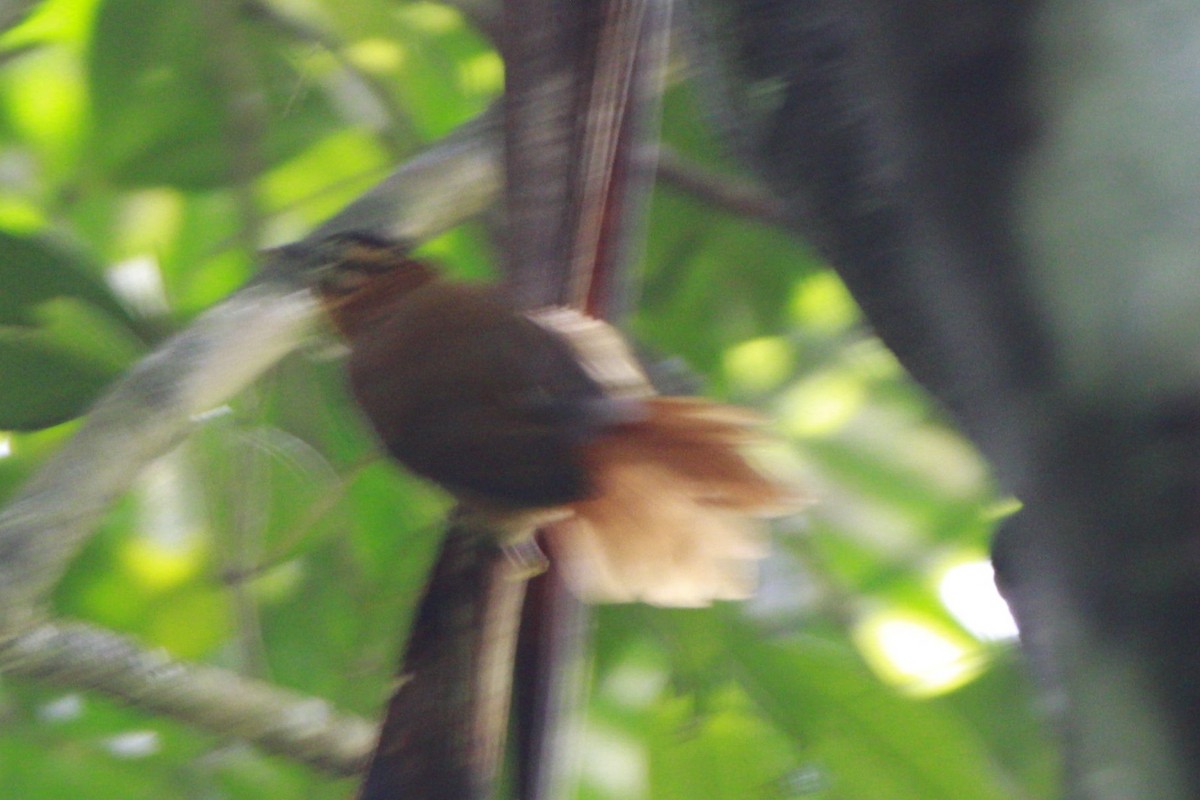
473 395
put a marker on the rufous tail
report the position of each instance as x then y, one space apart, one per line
676 518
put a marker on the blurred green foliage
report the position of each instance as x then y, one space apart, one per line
146 148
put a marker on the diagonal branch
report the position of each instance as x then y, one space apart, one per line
304 728
735 195
140 419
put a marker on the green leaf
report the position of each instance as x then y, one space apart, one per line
54 371
63 334
157 113
45 383
183 95
725 755
873 742
33 270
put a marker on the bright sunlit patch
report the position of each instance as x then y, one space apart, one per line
482 74
150 220
62 709
916 654
759 364
821 301
170 545
5 445
46 100
376 55
134 744
634 685
821 405
53 20
968 590
161 565
17 215
138 281
615 766
430 17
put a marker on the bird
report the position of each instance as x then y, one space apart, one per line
545 420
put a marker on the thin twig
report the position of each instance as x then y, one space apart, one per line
401 129
739 196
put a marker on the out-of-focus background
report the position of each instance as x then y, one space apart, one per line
147 149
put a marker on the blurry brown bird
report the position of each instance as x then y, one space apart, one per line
545 420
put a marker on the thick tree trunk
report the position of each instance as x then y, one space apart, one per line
1010 191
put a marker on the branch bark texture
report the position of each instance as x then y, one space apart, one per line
304 728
